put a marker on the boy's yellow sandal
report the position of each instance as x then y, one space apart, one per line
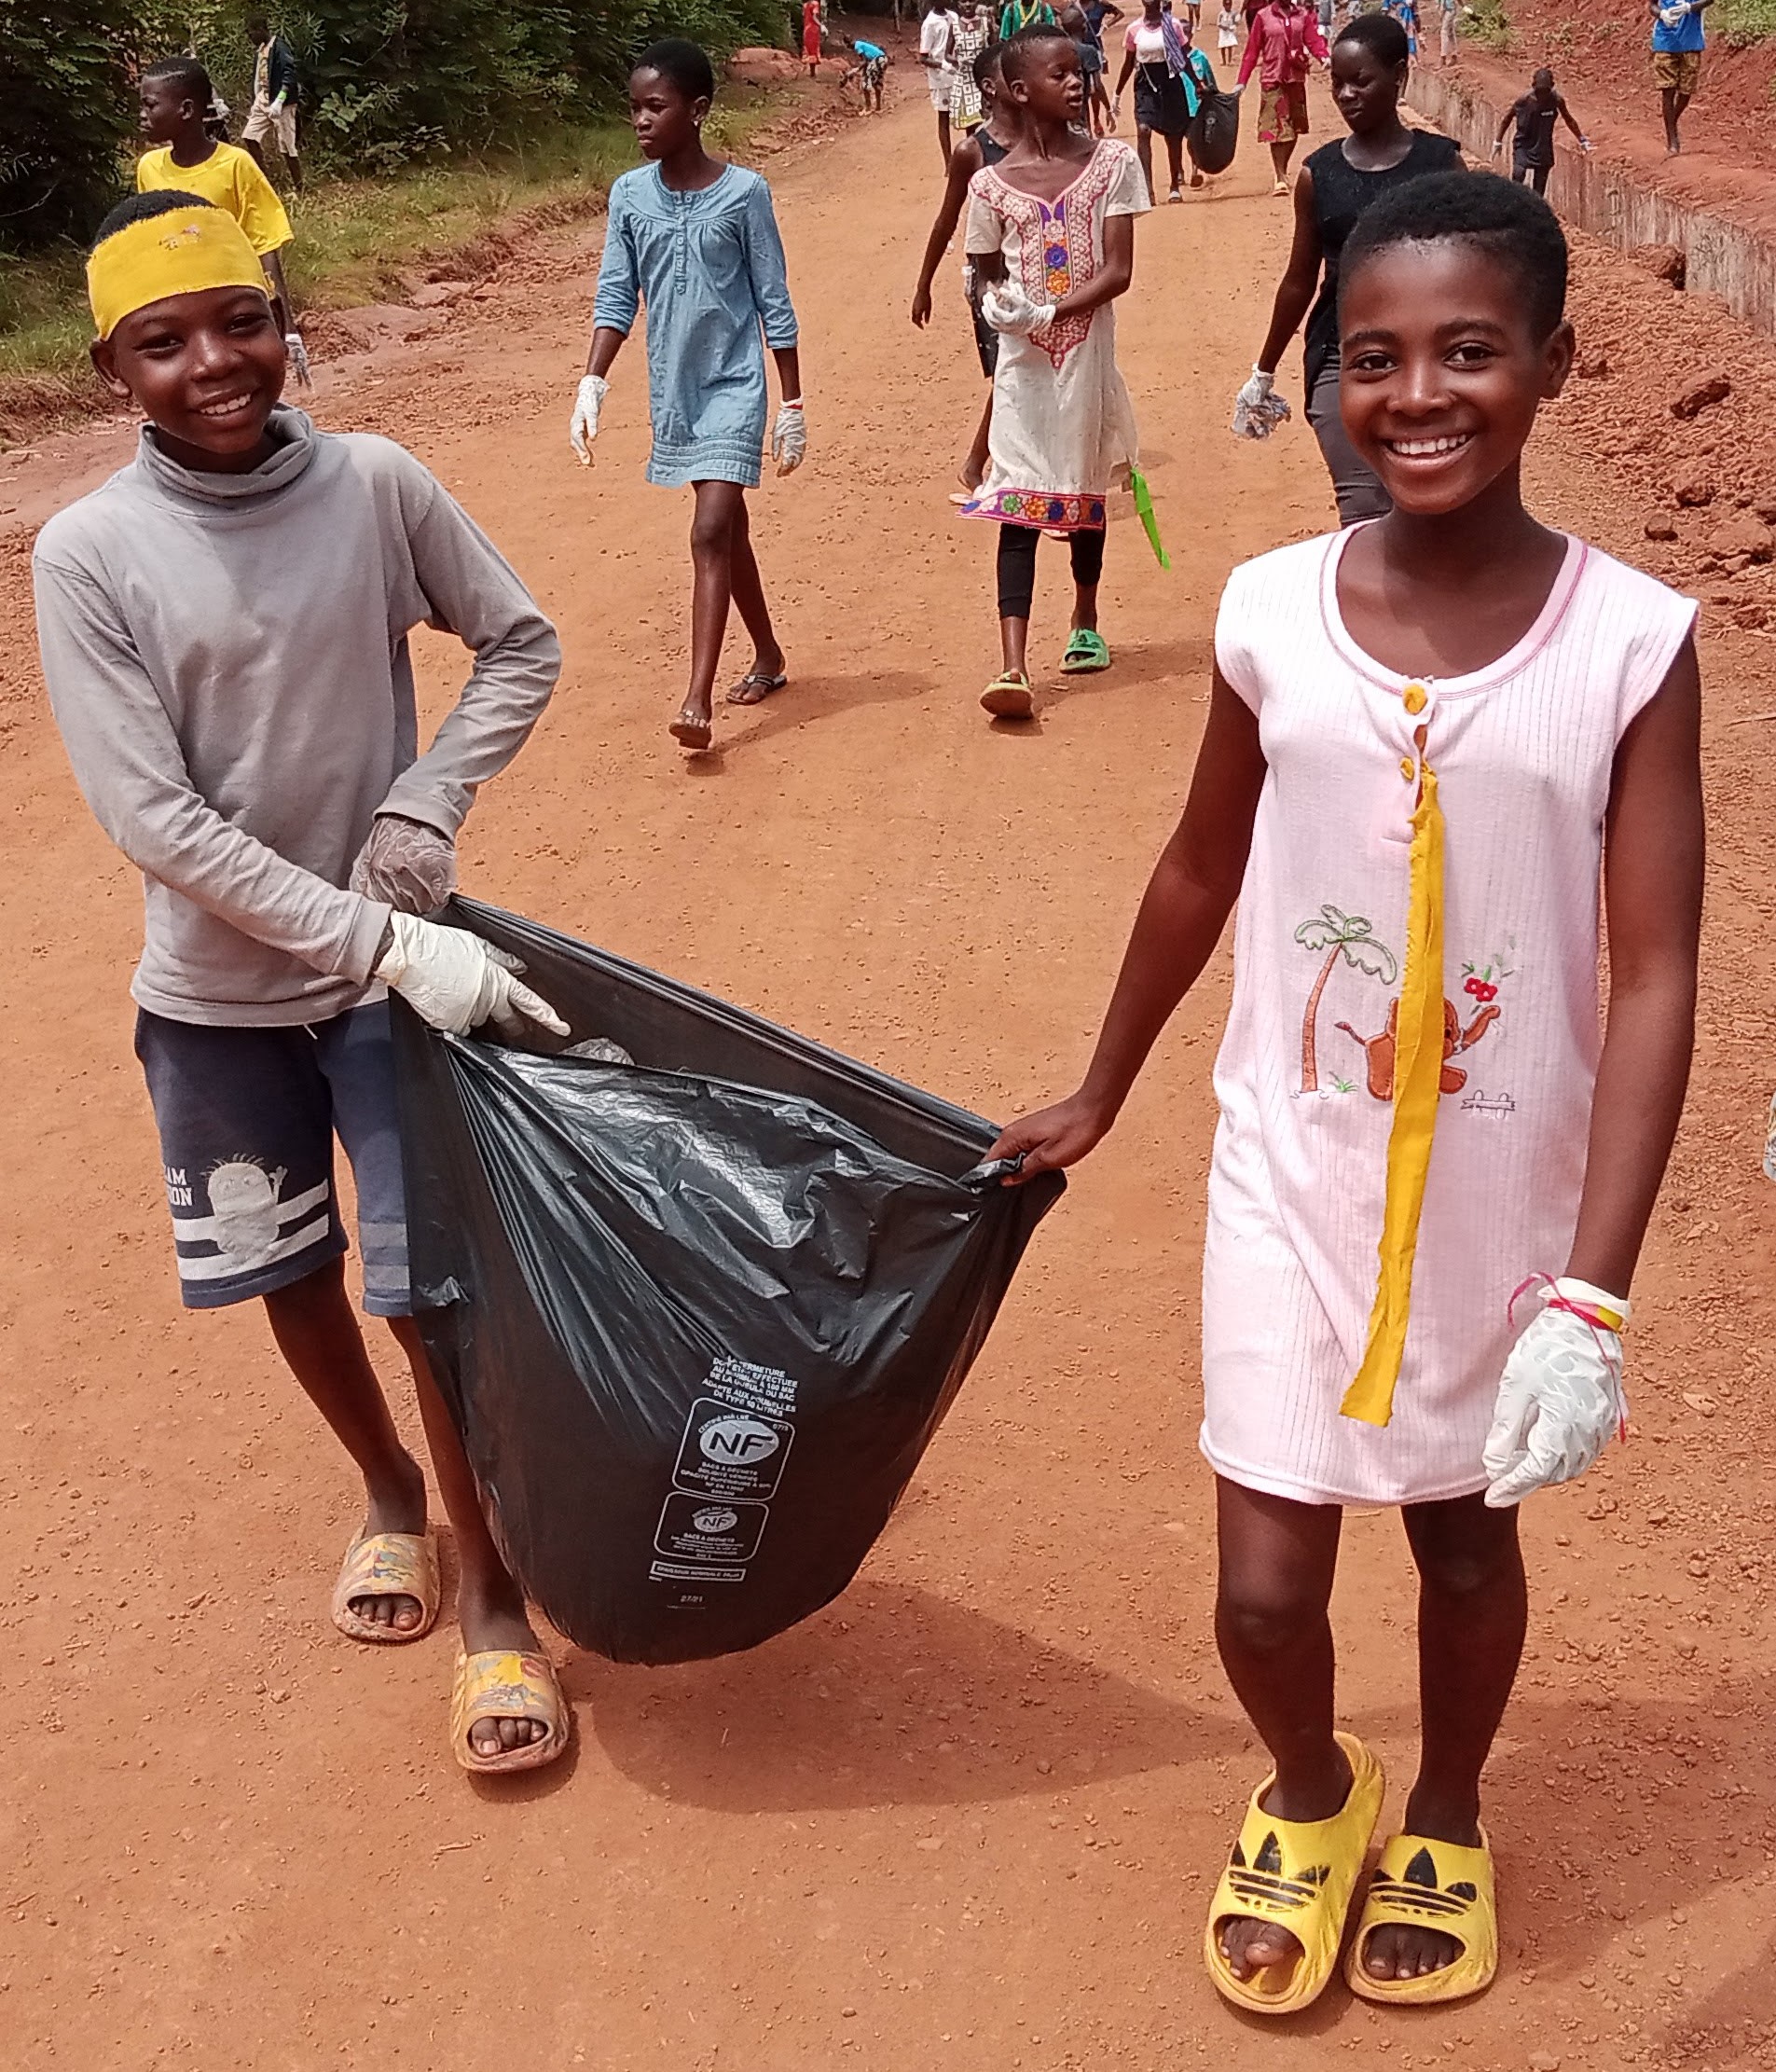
1299 1875
387 1565
504 1684
1430 1884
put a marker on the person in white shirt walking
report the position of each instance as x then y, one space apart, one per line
936 47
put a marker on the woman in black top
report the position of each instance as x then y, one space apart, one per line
1368 64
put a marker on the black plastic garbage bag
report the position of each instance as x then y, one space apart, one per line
696 1317
1214 132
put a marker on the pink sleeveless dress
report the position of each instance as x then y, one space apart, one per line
1523 751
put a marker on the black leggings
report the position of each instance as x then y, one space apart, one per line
1017 565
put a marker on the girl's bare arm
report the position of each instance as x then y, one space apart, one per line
1653 896
965 160
1112 278
1188 900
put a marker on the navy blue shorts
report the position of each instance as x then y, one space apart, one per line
247 1119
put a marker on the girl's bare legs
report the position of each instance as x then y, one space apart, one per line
1143 152
711 590
755 614
1174 159
1277 1560
974 467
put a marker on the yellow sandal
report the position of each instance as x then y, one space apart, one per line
1299 1874
502 1684
1431 1885
387 1565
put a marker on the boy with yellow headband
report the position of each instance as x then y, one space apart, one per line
224 627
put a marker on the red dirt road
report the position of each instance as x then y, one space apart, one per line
968 1818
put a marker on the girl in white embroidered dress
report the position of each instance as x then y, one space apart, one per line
1051 235
1421 733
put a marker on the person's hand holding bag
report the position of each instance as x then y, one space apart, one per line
457 982
1258 409
1561 1397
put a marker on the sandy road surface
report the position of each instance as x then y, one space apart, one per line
967 1818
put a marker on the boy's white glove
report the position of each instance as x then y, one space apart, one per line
1561 1397
1007 308
1258 409
297 355
789 437
1672 15
594 388
456 981
406 864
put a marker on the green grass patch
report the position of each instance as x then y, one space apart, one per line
1485 24
355 239
1740 22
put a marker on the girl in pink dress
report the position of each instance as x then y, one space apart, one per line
1421 732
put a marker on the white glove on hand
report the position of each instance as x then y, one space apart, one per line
1007 308
406 864
1672 15
1258 409
456 981
594 388
1561 1397
789 437
296 355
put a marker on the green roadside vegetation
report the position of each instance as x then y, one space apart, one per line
1741 22
1484 26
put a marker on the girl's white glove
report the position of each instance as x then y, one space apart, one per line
1561 1397
456 981
1258 409
789 437
1007 308
406 864
594 388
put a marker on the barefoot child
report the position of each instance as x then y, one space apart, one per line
1050 232
696 240
987 144
176 96
1420 734
224 627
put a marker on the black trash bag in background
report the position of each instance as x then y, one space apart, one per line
1214 132
697 1317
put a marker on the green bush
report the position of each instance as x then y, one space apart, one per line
1739 23
64 87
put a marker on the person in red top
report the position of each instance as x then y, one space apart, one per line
1284 39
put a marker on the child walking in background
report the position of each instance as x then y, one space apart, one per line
1227 34
695 239
1418 733
1535 113
1051 232
176 95
224 627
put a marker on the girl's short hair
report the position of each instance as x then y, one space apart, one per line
1380 34
1017 53
684 64
1511 223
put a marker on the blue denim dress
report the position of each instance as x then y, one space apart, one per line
709 267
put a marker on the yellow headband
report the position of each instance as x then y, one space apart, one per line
180 253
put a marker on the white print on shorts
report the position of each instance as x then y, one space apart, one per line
250 1224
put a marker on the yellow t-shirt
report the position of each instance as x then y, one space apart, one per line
229 178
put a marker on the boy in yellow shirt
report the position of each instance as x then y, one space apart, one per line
175 94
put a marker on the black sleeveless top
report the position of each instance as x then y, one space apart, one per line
991 150
1341 194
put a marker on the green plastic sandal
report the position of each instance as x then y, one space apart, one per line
1086 652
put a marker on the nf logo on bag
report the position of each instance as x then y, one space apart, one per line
738 1442
730 1453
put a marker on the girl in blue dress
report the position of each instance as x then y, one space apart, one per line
696 240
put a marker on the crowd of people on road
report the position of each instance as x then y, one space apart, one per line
1420 724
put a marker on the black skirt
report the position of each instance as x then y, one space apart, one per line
1160 105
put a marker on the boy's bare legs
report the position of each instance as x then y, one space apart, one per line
746 587
317 1332
1277 1560
490 1609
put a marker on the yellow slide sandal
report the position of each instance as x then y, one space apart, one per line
1431 1885
387 1565
1299 1874
502 1684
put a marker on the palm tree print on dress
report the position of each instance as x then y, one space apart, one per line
1339 935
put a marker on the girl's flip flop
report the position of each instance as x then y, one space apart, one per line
1299 1874
758 684
1086 652
387 1565
502 1684
1008 697
1430 1884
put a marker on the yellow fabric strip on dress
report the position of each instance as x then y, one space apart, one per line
1418 1072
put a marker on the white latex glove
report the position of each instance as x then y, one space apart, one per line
593 390
296 355
789 437
1672 15
1258 409
406 865
277 105
1007 308
1499 145
456 981
1561 1397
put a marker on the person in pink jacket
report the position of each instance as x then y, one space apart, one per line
1285 40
